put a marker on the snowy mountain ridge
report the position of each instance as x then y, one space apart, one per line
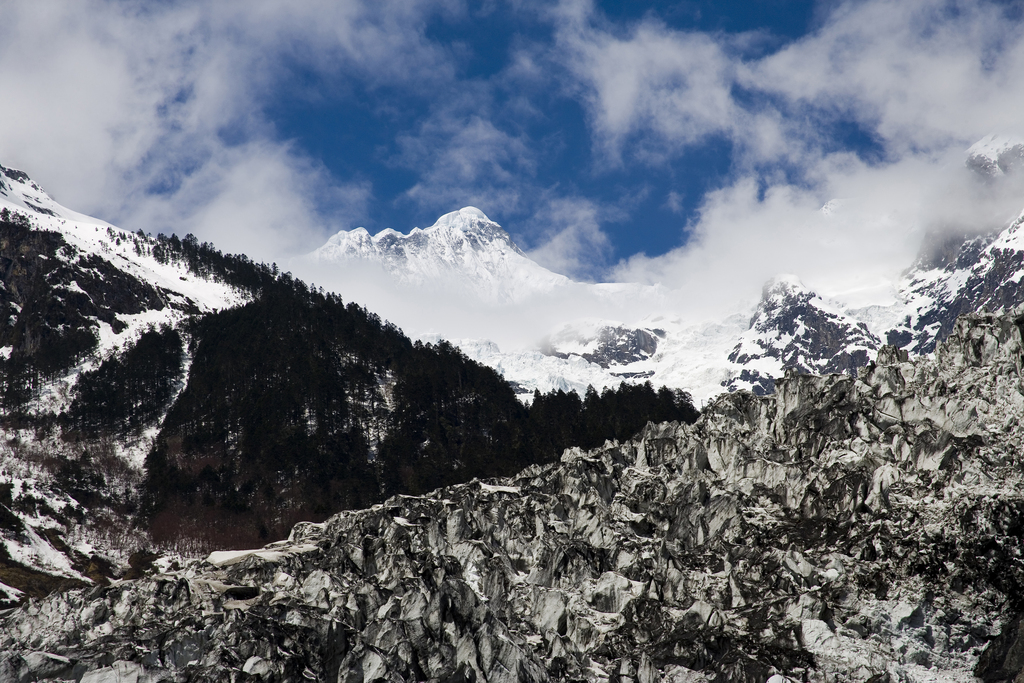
996 155
82 279
177 290
20 194
794 328
463 248
467 252
791 327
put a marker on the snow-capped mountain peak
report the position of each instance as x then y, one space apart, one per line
996 155
19 191
794 328
472 225
463 249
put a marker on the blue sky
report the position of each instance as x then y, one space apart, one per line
362 132
636 141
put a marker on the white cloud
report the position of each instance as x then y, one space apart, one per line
256 199
746 234
571 241
669 84
917 74
149 115
920 75
922 78
463 159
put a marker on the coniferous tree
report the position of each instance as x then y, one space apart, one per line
296 405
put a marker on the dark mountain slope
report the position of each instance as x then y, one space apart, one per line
291 397
298 406
128 392
289 406
52 302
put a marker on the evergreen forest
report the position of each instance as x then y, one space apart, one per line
294 406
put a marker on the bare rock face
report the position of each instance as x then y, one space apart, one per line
607 345
842 529
795 329
956 275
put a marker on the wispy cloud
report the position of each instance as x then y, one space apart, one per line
463 158
916 74
920 75
648 88
154 115
150 115
255 198
571 240
921 78
747 233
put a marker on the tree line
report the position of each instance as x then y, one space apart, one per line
297 405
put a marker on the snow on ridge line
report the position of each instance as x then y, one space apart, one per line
463 251
461 220
92 236
120 248
994 144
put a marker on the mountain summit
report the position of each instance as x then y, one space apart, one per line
603 334
996 155
462 249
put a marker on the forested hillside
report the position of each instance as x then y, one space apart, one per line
291 406
298 405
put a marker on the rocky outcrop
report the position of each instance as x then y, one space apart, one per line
843 529
609 346
53 299
795 329
958 275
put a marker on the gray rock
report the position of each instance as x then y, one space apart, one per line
842 529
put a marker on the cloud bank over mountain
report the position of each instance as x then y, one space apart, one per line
198 118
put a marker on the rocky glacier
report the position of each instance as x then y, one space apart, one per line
839 529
